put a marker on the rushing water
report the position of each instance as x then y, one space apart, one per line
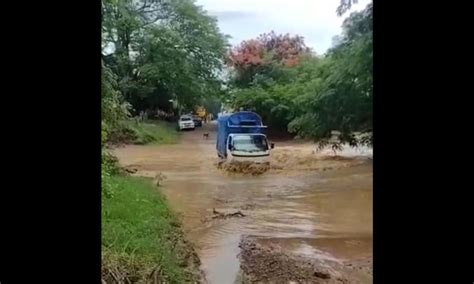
315 207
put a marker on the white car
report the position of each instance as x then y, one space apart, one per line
186 122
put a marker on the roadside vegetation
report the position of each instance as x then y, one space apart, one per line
153 53
310 95
141 133
141 236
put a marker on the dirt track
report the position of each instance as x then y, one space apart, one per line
306 206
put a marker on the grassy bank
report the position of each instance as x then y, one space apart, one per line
148 132
142 240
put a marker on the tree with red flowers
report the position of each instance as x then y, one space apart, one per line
257 56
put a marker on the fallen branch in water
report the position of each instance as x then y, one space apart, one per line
219 215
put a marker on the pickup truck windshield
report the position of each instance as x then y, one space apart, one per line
250 143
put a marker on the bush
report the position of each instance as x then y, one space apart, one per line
110 167
141 133
122 134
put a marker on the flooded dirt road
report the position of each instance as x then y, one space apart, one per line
309 204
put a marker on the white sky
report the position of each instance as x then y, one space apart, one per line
315 20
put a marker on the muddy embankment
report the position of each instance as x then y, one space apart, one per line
271 264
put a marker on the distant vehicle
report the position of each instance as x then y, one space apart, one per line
241 137
186 122
201 112
197 121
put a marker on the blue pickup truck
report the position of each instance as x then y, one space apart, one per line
241 137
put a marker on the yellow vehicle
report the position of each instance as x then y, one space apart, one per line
201 112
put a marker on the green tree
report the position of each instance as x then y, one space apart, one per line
344 99
264 56
315 95
162 50
114 108
277 94
262 71
344 6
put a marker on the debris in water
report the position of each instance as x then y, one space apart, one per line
219 215
131 171
159 178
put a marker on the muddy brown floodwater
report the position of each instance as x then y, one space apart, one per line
309 204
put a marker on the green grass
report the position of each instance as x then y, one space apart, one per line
141 133
140 234
154 132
